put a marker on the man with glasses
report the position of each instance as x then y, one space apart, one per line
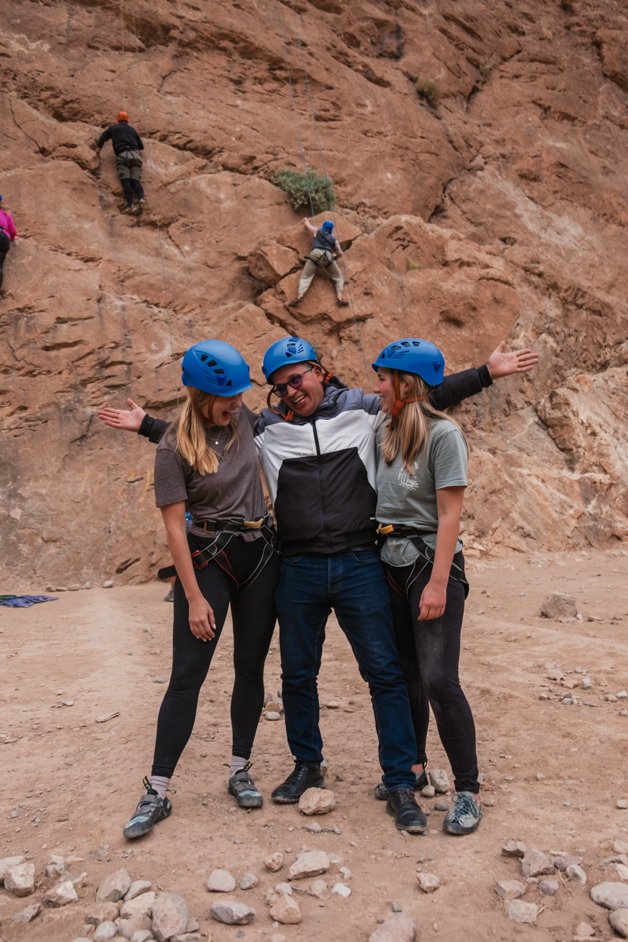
318 454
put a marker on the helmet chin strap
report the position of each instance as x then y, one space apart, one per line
399 403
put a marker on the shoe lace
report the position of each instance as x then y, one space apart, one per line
465 805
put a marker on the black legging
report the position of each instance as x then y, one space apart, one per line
429 652
253 616
5 245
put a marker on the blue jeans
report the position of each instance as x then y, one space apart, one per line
354 585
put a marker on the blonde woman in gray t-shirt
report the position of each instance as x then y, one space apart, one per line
207 463
421 479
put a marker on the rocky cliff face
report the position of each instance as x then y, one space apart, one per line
499 210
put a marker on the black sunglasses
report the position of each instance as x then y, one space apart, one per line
296 381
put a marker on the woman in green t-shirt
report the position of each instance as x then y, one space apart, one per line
421 479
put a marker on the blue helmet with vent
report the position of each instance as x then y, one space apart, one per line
327 226
216 367
286 351
412 355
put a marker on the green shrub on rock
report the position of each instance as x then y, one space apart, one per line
306 189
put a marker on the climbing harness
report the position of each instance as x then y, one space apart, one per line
224 531
426 553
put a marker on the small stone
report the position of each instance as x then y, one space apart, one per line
513 849
428 882
102 913
232 912
274 862
282 888
561 860
333 704
20 879
341 889
510 889
285 910
535 863
619 922
248 881
576 873
318 888
28 913
8 862
108 584
309 864
622 803
586 682
559 605
555 673
170 916
187 937
521 912
128 927
142 935
619 847
317 801
428 791
621 870
622 694
114 887
278 937
549 887
141 905
274 707
441 804
137 888
398 927
105 932
583 931
345 873
272 715
440 780
611 895
62 894
221 881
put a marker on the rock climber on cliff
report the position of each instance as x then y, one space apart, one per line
127 145
8 235
325 249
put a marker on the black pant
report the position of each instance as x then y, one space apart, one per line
132 189
253 616
429 652
5 245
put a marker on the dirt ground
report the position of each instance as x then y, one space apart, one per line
553 771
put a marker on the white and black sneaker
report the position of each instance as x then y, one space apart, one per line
151 809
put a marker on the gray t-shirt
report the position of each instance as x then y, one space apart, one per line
234 491
411 498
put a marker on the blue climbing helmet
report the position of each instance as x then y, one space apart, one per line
412 355
327 226
286 351
215 367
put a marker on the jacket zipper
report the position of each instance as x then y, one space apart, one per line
321 483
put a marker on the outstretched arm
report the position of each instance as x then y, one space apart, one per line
310 228
504 362
128 419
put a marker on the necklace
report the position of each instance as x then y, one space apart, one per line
216 434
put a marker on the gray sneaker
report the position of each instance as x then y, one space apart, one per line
465 815
151 809
244 789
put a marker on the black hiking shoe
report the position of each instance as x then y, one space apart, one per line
127 209
244 790
381 791
403 808
302 777
342 303
151 809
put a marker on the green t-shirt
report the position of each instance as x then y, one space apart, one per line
411 498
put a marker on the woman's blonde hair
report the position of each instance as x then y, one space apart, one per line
410 431
191 431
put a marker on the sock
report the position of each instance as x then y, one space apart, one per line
237 763
159 784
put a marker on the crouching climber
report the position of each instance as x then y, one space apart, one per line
325 248
127 145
